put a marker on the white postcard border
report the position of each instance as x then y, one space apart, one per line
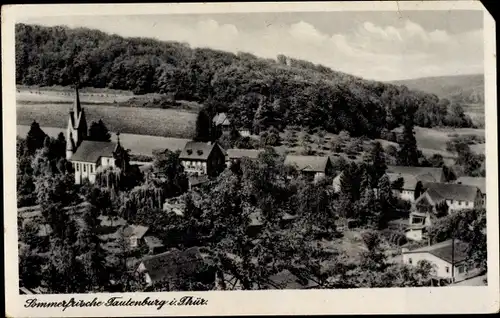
362 301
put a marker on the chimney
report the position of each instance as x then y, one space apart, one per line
209 143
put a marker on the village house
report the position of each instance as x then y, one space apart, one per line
134 234
233 155
202 158
478 182
438 200
154 244
411 185
456 196
449 258
312 167
221 121
424 174
174 265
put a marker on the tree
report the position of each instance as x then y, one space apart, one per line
408 152
35 138
350 182
99 132
203 126
376 162
436 161
270 137
386 201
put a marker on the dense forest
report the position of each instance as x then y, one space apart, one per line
277 93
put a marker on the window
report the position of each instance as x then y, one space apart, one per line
84 167
447 268
77 166
451 201
461 269
91 168
410 261
133 241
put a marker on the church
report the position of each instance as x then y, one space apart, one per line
86 156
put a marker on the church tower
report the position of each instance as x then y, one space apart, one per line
77 126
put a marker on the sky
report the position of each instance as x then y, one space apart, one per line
378 45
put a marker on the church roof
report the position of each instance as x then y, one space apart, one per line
91 151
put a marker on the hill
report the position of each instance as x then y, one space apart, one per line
256 93
466 89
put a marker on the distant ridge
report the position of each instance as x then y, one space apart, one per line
467 89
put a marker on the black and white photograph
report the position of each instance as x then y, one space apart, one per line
212 151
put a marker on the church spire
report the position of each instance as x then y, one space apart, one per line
77 108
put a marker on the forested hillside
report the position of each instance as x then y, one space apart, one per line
256 93
458 88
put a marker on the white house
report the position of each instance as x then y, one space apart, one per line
450 260
202 158
478 182
455 196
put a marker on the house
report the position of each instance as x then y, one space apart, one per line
195 181
411 185
478 182
454 196
202 158
424 174
221 120
134 234
174 265
312 167
233 155
450 259
285 279
154 244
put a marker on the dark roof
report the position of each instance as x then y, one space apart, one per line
308 163
135 230
473 181
451 191
410 181
91 151
195 180
444 251
421 173
174 263
287 280
196 150
240 153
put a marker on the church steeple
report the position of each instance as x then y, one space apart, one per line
77 108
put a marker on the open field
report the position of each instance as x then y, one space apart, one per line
132 120
138 144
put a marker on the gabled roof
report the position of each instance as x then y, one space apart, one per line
421 173
91 151
197 180
451 191
473 181
221 119
135 230
153 241
445 251
287 280
196 150
410 181
308 163
240 153
172 264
